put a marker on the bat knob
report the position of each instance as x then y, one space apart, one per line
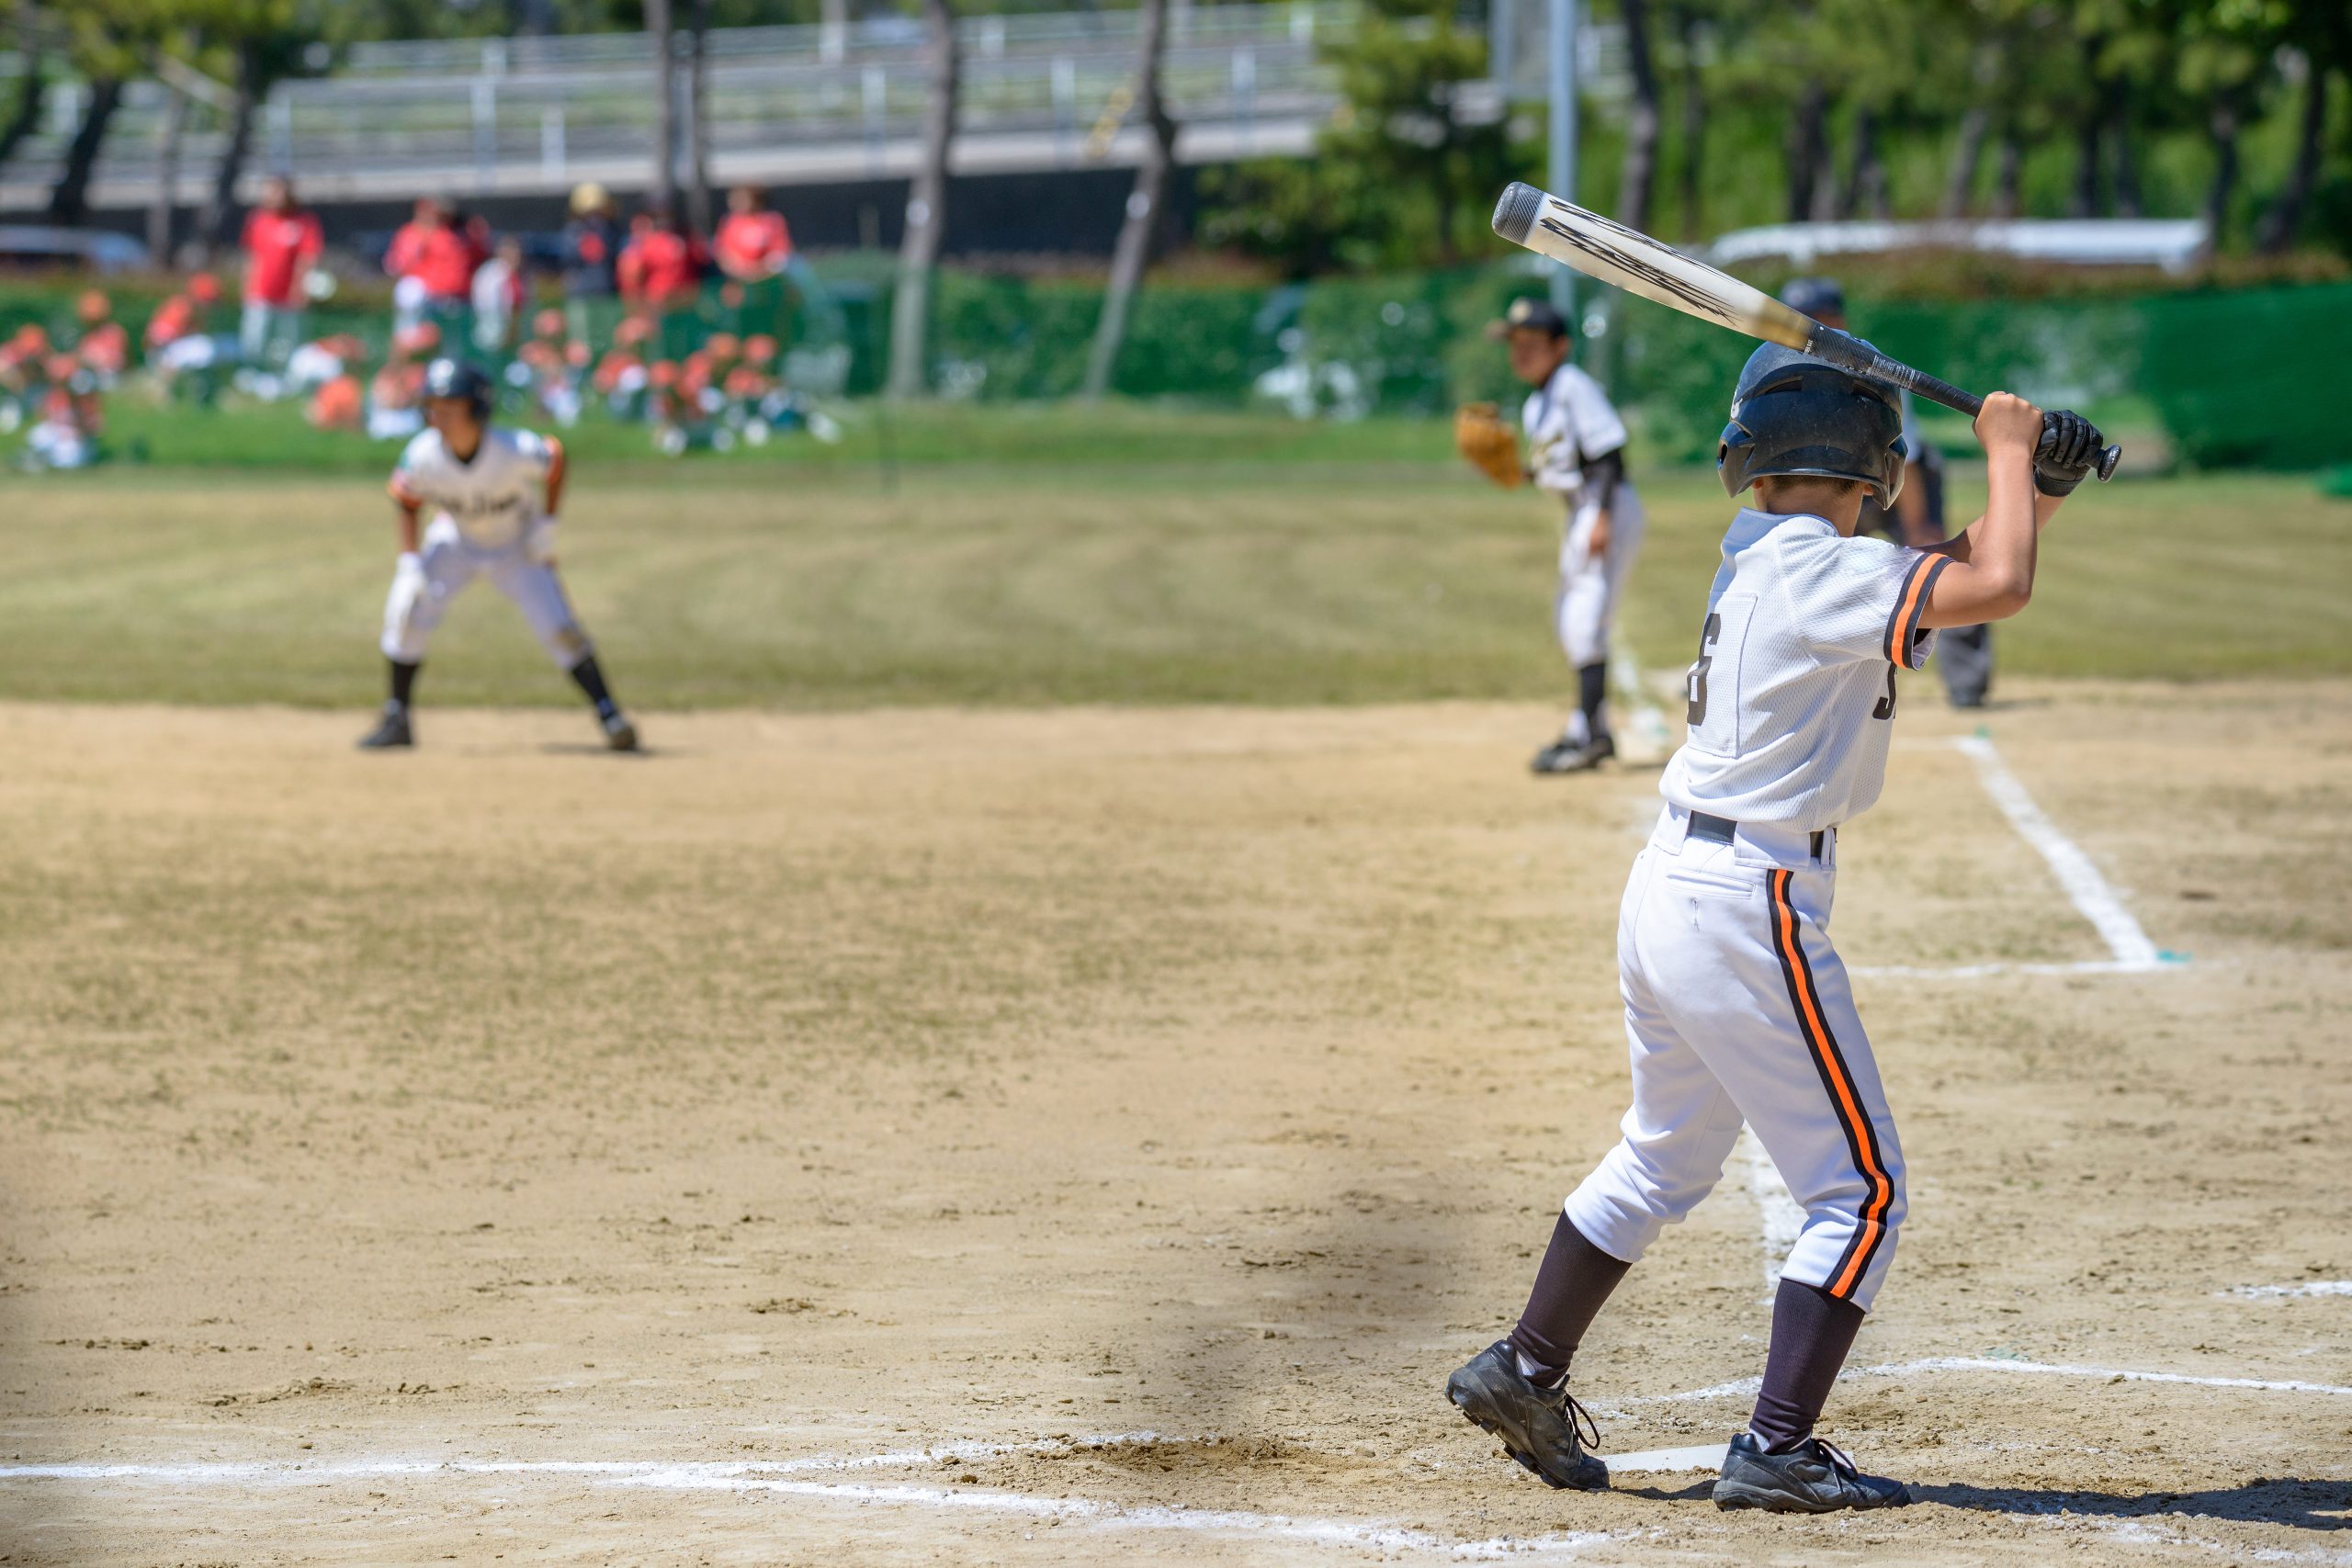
1515 213
2107 461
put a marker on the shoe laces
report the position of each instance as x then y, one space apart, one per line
1580 1421
1839 1461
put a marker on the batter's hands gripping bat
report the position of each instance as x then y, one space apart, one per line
1632 261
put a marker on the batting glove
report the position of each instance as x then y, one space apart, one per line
2070 446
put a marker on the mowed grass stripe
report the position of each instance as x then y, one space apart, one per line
976 589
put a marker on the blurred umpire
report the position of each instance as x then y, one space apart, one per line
1963 654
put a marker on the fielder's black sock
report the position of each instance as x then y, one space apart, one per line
403 681
1812 1332
1592 690
1571 1284
592 680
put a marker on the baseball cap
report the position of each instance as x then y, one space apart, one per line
1815 296
1533 315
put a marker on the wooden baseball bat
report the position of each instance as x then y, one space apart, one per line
1609 250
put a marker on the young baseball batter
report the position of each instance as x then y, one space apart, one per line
1736 1007
1576 451
493 494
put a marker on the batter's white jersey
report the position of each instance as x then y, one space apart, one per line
492 498
1568 422
1791 699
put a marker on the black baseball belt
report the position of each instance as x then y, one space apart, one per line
1723 830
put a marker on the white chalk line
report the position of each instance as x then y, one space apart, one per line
1746 1387
2283 1293
1778 1214
1649 723
2084 886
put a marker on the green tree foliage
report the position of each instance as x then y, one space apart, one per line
1406 172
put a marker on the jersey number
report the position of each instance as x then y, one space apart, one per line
1695 684
1885 708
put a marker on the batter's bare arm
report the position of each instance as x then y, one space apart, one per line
1991 577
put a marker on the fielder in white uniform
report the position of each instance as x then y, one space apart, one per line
493 494
1738 1008
1576 451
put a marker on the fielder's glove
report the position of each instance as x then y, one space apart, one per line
1491 446
539 542
2070 447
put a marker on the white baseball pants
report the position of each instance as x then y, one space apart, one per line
1586 603
1738 1010
415 605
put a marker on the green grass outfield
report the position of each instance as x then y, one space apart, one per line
1142 558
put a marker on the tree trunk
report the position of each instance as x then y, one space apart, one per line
163 208
1864 190
1639 173
69 199
2008 176
2224 125
926 210
660 36
2088 130
2127 173
698 203
1966 154
1694 125
1132 252
2285 214
218 228
31 90
1805 150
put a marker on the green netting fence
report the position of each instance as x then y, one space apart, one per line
2239 378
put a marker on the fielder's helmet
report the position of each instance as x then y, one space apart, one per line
456 379
1794 414
1816 296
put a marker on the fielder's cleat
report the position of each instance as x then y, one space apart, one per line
1812 1478
1543 1429
391 730
620 734
1566 756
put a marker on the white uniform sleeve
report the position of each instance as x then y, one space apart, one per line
1591 421
1860 598
410 484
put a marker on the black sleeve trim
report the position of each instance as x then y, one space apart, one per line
1903 638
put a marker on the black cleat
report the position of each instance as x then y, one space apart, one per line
1566 756
620 734
391 730
1812 1478
1543 1427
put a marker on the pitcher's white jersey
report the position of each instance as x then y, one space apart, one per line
1791 699
1568 422
493 500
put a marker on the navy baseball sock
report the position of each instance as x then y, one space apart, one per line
403 681
1571 1284
1812 1332
1592 690
592 680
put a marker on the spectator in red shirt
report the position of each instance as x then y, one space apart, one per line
432 261
753 248
660 272
753 243
281 243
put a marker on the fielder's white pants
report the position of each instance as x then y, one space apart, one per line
1589 584
1738 1010
416 604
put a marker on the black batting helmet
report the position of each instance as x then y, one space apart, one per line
456 379
1794 414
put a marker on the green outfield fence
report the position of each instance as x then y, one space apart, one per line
2239 378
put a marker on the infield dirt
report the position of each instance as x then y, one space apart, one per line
844 1085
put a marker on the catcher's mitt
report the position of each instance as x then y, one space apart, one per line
1492 447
